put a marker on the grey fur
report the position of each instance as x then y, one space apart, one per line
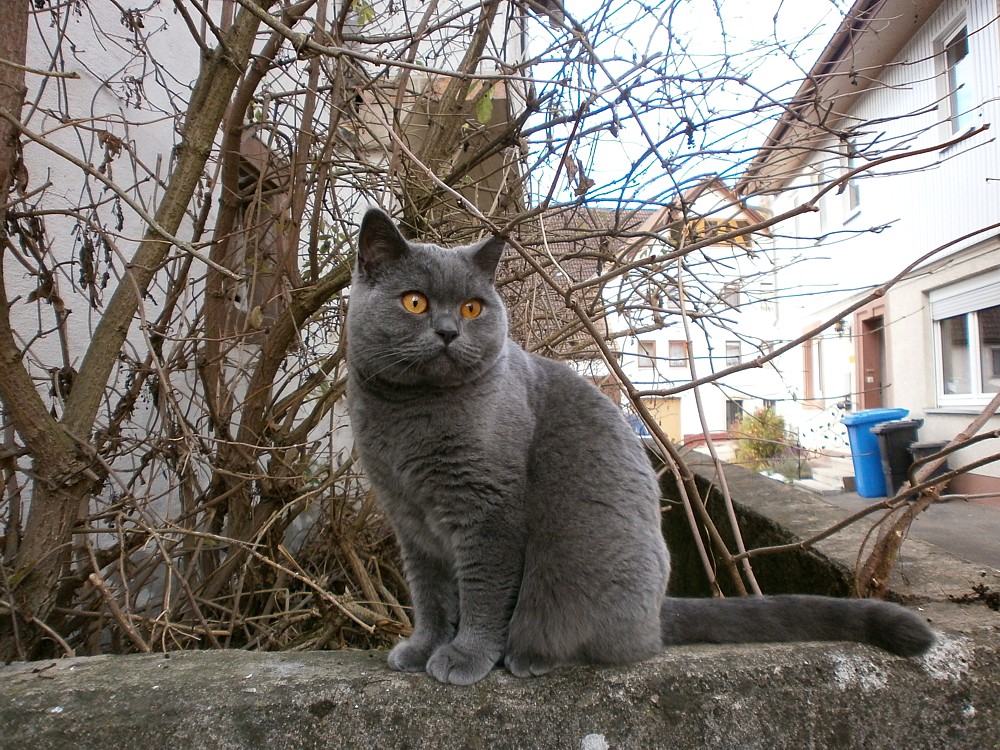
527 512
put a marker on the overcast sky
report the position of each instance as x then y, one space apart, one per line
770 43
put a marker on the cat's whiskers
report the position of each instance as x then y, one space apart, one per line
463 357
394 359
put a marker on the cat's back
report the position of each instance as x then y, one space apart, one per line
582 443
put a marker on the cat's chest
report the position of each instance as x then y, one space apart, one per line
443 449
423 438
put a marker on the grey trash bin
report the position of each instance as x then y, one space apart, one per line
925 448
894 441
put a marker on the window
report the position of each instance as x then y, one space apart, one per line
734 410
647 354
733 352
731 295
853 190
970 352
766 301
958 79
677 353
967 334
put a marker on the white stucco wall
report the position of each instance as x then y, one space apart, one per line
911 347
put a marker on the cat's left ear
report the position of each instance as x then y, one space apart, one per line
379 242
486 255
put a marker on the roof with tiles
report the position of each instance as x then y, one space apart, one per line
573 245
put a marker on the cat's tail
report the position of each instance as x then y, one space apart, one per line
760 619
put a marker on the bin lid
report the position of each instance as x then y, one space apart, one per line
897 424
874 416
934 445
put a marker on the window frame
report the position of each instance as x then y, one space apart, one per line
956 117
966 299
732 360
677 362
646 353
731 295
734 412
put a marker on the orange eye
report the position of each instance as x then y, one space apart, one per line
471 308
414 302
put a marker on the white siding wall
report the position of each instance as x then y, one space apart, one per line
922 201
916 204
955 190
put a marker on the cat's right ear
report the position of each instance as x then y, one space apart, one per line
379 242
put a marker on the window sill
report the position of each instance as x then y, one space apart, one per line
958 410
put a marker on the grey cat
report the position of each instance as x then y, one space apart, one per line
527 511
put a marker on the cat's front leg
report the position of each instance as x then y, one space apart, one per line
435 610
489 564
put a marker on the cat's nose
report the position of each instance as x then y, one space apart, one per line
447 333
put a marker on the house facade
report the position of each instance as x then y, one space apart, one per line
702 312
893 139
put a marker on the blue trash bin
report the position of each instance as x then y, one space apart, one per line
868 474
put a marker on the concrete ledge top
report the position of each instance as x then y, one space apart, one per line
923 572
771 696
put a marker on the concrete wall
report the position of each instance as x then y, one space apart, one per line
804 696
911 347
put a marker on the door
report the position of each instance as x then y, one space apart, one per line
871 362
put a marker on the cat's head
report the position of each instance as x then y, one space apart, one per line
420 314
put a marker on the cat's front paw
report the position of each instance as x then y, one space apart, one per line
525 664
460 665
410 655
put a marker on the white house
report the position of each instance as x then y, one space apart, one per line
701 312
902 100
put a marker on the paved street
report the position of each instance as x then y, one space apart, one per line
967 530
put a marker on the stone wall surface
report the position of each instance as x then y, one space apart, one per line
772 696
811 695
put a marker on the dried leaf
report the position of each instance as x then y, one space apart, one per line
20 176
585 182
571 170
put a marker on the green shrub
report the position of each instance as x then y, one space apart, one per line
761 437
